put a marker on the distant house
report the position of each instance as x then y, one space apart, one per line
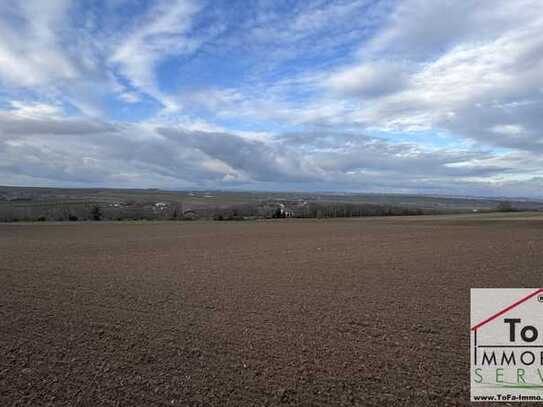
159 207
286 211
189 214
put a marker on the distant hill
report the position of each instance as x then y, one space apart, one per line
28 203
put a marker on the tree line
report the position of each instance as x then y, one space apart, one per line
175 211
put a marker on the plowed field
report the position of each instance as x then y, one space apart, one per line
370 311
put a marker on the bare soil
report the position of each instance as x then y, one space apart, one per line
313 313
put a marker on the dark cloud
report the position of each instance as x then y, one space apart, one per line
173 157
261 161
24 126
370 80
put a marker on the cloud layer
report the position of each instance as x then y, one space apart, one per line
391 96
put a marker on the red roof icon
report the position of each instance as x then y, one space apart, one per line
507 309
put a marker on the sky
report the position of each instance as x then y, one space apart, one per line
403 96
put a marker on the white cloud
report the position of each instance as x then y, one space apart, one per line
303 85
130 97
31 52
24 110
508 129
160 34
470 77
368 80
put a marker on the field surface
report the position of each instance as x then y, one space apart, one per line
371 311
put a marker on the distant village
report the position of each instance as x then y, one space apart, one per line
36 204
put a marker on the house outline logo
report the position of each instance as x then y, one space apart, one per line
506 359
498 314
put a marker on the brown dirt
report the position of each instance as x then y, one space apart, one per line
344 312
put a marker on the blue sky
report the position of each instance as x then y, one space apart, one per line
439 97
